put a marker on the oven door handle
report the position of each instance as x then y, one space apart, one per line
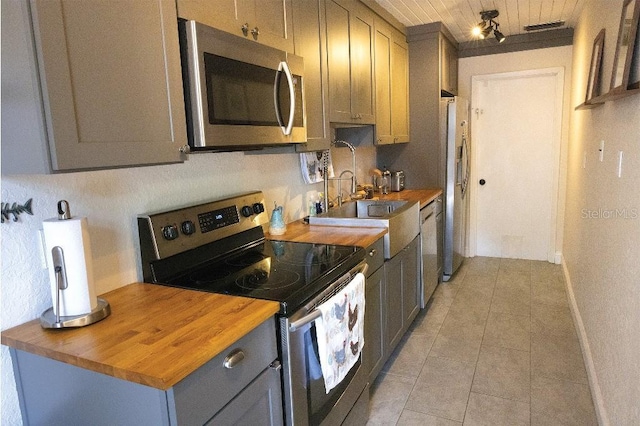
316 313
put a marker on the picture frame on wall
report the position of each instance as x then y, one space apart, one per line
626 51
594 85
634 72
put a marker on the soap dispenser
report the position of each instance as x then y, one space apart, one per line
277 226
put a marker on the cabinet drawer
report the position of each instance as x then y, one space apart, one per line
375 256
204 392
260 403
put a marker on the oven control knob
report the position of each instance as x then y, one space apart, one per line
246 211
170 232
188 227
258 208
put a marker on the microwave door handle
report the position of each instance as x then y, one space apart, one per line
284 67
276 103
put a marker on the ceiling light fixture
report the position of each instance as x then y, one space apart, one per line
484 28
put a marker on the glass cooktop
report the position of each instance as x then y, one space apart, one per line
287 272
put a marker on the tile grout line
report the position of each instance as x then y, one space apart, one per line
426 358
475 368
461 278
530 348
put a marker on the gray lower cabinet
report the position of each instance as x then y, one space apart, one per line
53 392
100 83
402 285
373 354
411 283
260 403
392 302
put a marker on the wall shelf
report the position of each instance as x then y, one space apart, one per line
607 97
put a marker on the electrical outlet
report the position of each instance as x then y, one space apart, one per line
601 151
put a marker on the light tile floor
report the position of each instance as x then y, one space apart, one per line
495 346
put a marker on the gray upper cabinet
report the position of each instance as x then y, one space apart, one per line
350 62
265 21
392 84
310 43
448 66
110 84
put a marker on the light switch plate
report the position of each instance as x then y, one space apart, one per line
619 164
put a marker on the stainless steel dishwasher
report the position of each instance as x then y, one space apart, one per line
429 249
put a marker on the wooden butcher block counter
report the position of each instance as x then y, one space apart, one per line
301 232
155 335
424 196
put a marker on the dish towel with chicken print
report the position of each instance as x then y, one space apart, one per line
340 332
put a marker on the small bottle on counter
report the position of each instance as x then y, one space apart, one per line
319 203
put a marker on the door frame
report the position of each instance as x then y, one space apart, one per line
553 251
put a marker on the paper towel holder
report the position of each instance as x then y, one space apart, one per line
51 319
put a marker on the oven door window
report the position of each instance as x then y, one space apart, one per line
319 401
239 93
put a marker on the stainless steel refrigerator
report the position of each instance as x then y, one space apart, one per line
454 152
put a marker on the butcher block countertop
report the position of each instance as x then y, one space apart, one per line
425 196
301 232
156 335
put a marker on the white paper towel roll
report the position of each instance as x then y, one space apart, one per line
72 236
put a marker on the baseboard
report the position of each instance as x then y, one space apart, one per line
596 394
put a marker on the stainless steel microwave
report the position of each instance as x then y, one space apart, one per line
239 94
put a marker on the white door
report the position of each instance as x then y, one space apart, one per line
516 125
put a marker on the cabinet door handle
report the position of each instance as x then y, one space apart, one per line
372 252
245 29
234 358
255 32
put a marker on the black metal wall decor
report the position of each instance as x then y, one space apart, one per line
16 209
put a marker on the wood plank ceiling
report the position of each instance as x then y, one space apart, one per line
459 16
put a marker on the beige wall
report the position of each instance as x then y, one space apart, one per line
523 61
602 232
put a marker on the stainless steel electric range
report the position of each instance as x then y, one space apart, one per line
220 247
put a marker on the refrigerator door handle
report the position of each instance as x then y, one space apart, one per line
465 160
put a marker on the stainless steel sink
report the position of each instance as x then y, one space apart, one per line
401 218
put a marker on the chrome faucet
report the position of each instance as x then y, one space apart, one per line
354 184
339 197
325 174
